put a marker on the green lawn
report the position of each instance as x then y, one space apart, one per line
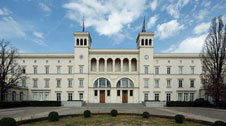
107 120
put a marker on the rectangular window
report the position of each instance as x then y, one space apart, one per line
46 83
35 70
145 83
156 83
168 83
41 96
156 97
58 69
69 96
35 83
180 70
70 83
185 96
81 96
168 70
95 93
180 84
47 69
70 70
23 83
80 83
145 69
108 93
192 70
191 96
46 96
58 83
192 83
179 96
58 96
23 70
81 69
146 97
35 96
131 92
118 92
168 97
156 70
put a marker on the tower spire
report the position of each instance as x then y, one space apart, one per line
83 25
143 29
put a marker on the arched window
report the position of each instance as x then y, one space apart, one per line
117 65
101 65
102 83
85 42
125 83
142 42
21 96
93 65
146 41
133 65
77 41
14 96
150 42
81 41
109 65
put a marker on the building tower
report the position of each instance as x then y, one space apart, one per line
81 64
145 47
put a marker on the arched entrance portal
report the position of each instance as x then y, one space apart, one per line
124 85
102 86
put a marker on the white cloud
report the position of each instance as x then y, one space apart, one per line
45 7
5 11
168 29
152 21
174 9
201 28
39 42
38 34
201 14
189 45
107 17
153 5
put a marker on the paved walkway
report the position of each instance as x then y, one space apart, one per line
205 114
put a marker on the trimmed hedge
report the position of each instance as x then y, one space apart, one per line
8 121
219 123
145 115
179 118
114 112
87 113
53 116
196 103
29 103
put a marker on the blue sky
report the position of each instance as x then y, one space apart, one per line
47 26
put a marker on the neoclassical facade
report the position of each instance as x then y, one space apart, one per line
110 75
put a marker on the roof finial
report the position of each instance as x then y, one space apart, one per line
83 25
143 29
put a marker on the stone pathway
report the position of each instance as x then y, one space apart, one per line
206 114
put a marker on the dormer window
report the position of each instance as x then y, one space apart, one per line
142 42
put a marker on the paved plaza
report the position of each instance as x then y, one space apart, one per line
206 114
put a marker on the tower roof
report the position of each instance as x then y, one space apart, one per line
143 28
83 25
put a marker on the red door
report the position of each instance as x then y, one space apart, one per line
124 96
102 96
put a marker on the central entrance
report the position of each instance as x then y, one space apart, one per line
124 96
102 96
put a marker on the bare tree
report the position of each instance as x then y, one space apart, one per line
213 57
10 71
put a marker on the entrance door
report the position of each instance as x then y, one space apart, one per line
124 96
102 96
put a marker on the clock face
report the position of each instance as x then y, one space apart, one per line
81 56
146 57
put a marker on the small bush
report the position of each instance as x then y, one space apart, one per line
219 123
7 121
53 116
114 112
87 113
145 115
179 118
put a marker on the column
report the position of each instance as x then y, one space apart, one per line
97 65
121 65
130 65
105 65
113 65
